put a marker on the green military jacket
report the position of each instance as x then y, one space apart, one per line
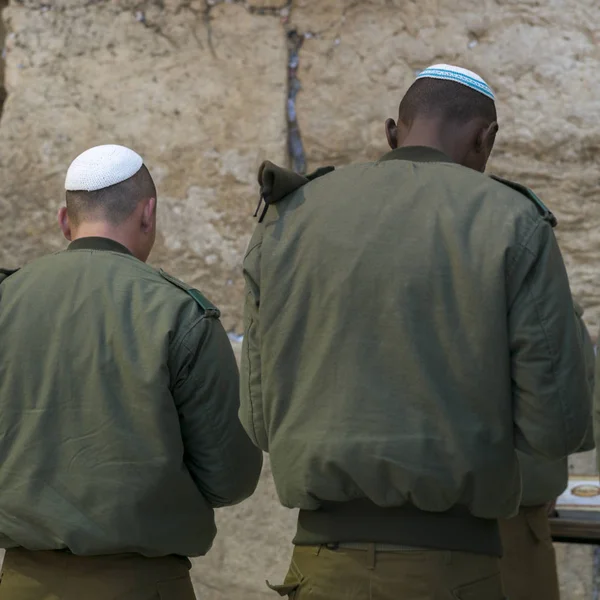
543 480
408 324
119 392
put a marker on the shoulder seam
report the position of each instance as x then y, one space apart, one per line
543 211
181 338
209 309
250 250
524 244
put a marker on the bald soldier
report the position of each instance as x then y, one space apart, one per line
528 563
119 390
408 326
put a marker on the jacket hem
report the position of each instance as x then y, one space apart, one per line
364 521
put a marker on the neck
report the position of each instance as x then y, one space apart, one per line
105 230
434 134
429 142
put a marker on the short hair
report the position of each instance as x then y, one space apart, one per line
449 100
113 204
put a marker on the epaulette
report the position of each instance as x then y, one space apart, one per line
276 183
319 172
4 273
542 208
210 310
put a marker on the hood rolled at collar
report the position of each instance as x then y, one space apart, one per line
4 273
277 182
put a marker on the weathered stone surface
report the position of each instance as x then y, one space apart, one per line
202 95
268 4
3 4
202 101
576 571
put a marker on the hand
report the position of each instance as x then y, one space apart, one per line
551 509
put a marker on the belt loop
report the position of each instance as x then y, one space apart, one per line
371 557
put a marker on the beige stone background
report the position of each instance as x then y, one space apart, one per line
200 88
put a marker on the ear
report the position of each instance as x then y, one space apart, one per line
148 215
391 133
63 221
486 138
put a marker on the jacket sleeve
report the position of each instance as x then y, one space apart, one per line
551 393
590 359
597 403
251 405
218 454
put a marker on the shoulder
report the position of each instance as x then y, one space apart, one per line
166 289
206 306
523 194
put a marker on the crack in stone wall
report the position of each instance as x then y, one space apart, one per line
296 152
283 9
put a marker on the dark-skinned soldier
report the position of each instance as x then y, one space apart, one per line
409 327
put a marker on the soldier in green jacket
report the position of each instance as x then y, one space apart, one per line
119 389
528 563
408 326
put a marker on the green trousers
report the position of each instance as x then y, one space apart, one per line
528 565
55 575
323 573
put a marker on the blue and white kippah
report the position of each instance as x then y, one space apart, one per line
459 75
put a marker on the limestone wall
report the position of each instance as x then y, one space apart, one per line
200 89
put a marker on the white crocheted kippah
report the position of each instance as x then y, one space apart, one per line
458 75
101 167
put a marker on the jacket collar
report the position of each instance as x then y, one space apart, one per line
98 243
417 154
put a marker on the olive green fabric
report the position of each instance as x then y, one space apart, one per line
119 394
408 324
597 406
542 208
276 183
55 575
528 565
363 521
320 573
544 480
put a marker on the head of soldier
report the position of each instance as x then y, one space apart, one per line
110 194
450 109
